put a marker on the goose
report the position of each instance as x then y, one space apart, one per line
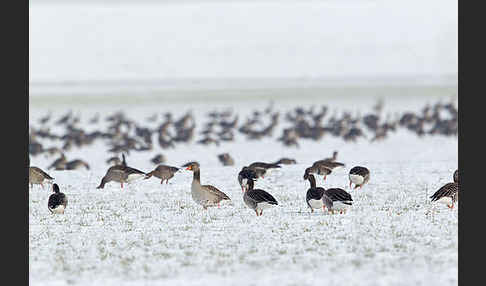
341 200
333 158
158 159
286 161
114 161
76 164
259 173
226 159
319 169
205 195
57 202
163 172
121 174
59 164
316 197
359 176
37 176
447 194
265 168
255 199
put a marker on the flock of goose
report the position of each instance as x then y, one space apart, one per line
332 199
124 135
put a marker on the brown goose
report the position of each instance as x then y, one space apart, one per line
37 176
163 172
58 164
359 176
158 159
319 169
330 163
114 161
76 164
121 174
447 194
263 169
57 202
286 161
205 195
333 158
226 159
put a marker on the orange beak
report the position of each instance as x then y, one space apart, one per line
188 168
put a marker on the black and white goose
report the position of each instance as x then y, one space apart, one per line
315 196
341 200
255 199
359 176
57 202
447 194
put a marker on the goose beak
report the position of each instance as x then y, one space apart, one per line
188 168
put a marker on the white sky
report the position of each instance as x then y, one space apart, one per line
243 39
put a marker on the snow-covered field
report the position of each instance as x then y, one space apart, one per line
150 233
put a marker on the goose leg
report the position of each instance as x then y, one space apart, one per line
350 184
166 181
122 185
256 212
261 211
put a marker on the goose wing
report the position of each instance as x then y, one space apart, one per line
40 171
448 190
337 194
213 190
260 196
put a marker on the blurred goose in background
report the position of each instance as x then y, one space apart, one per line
59 163
76 164
286 161
226 159
158 159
